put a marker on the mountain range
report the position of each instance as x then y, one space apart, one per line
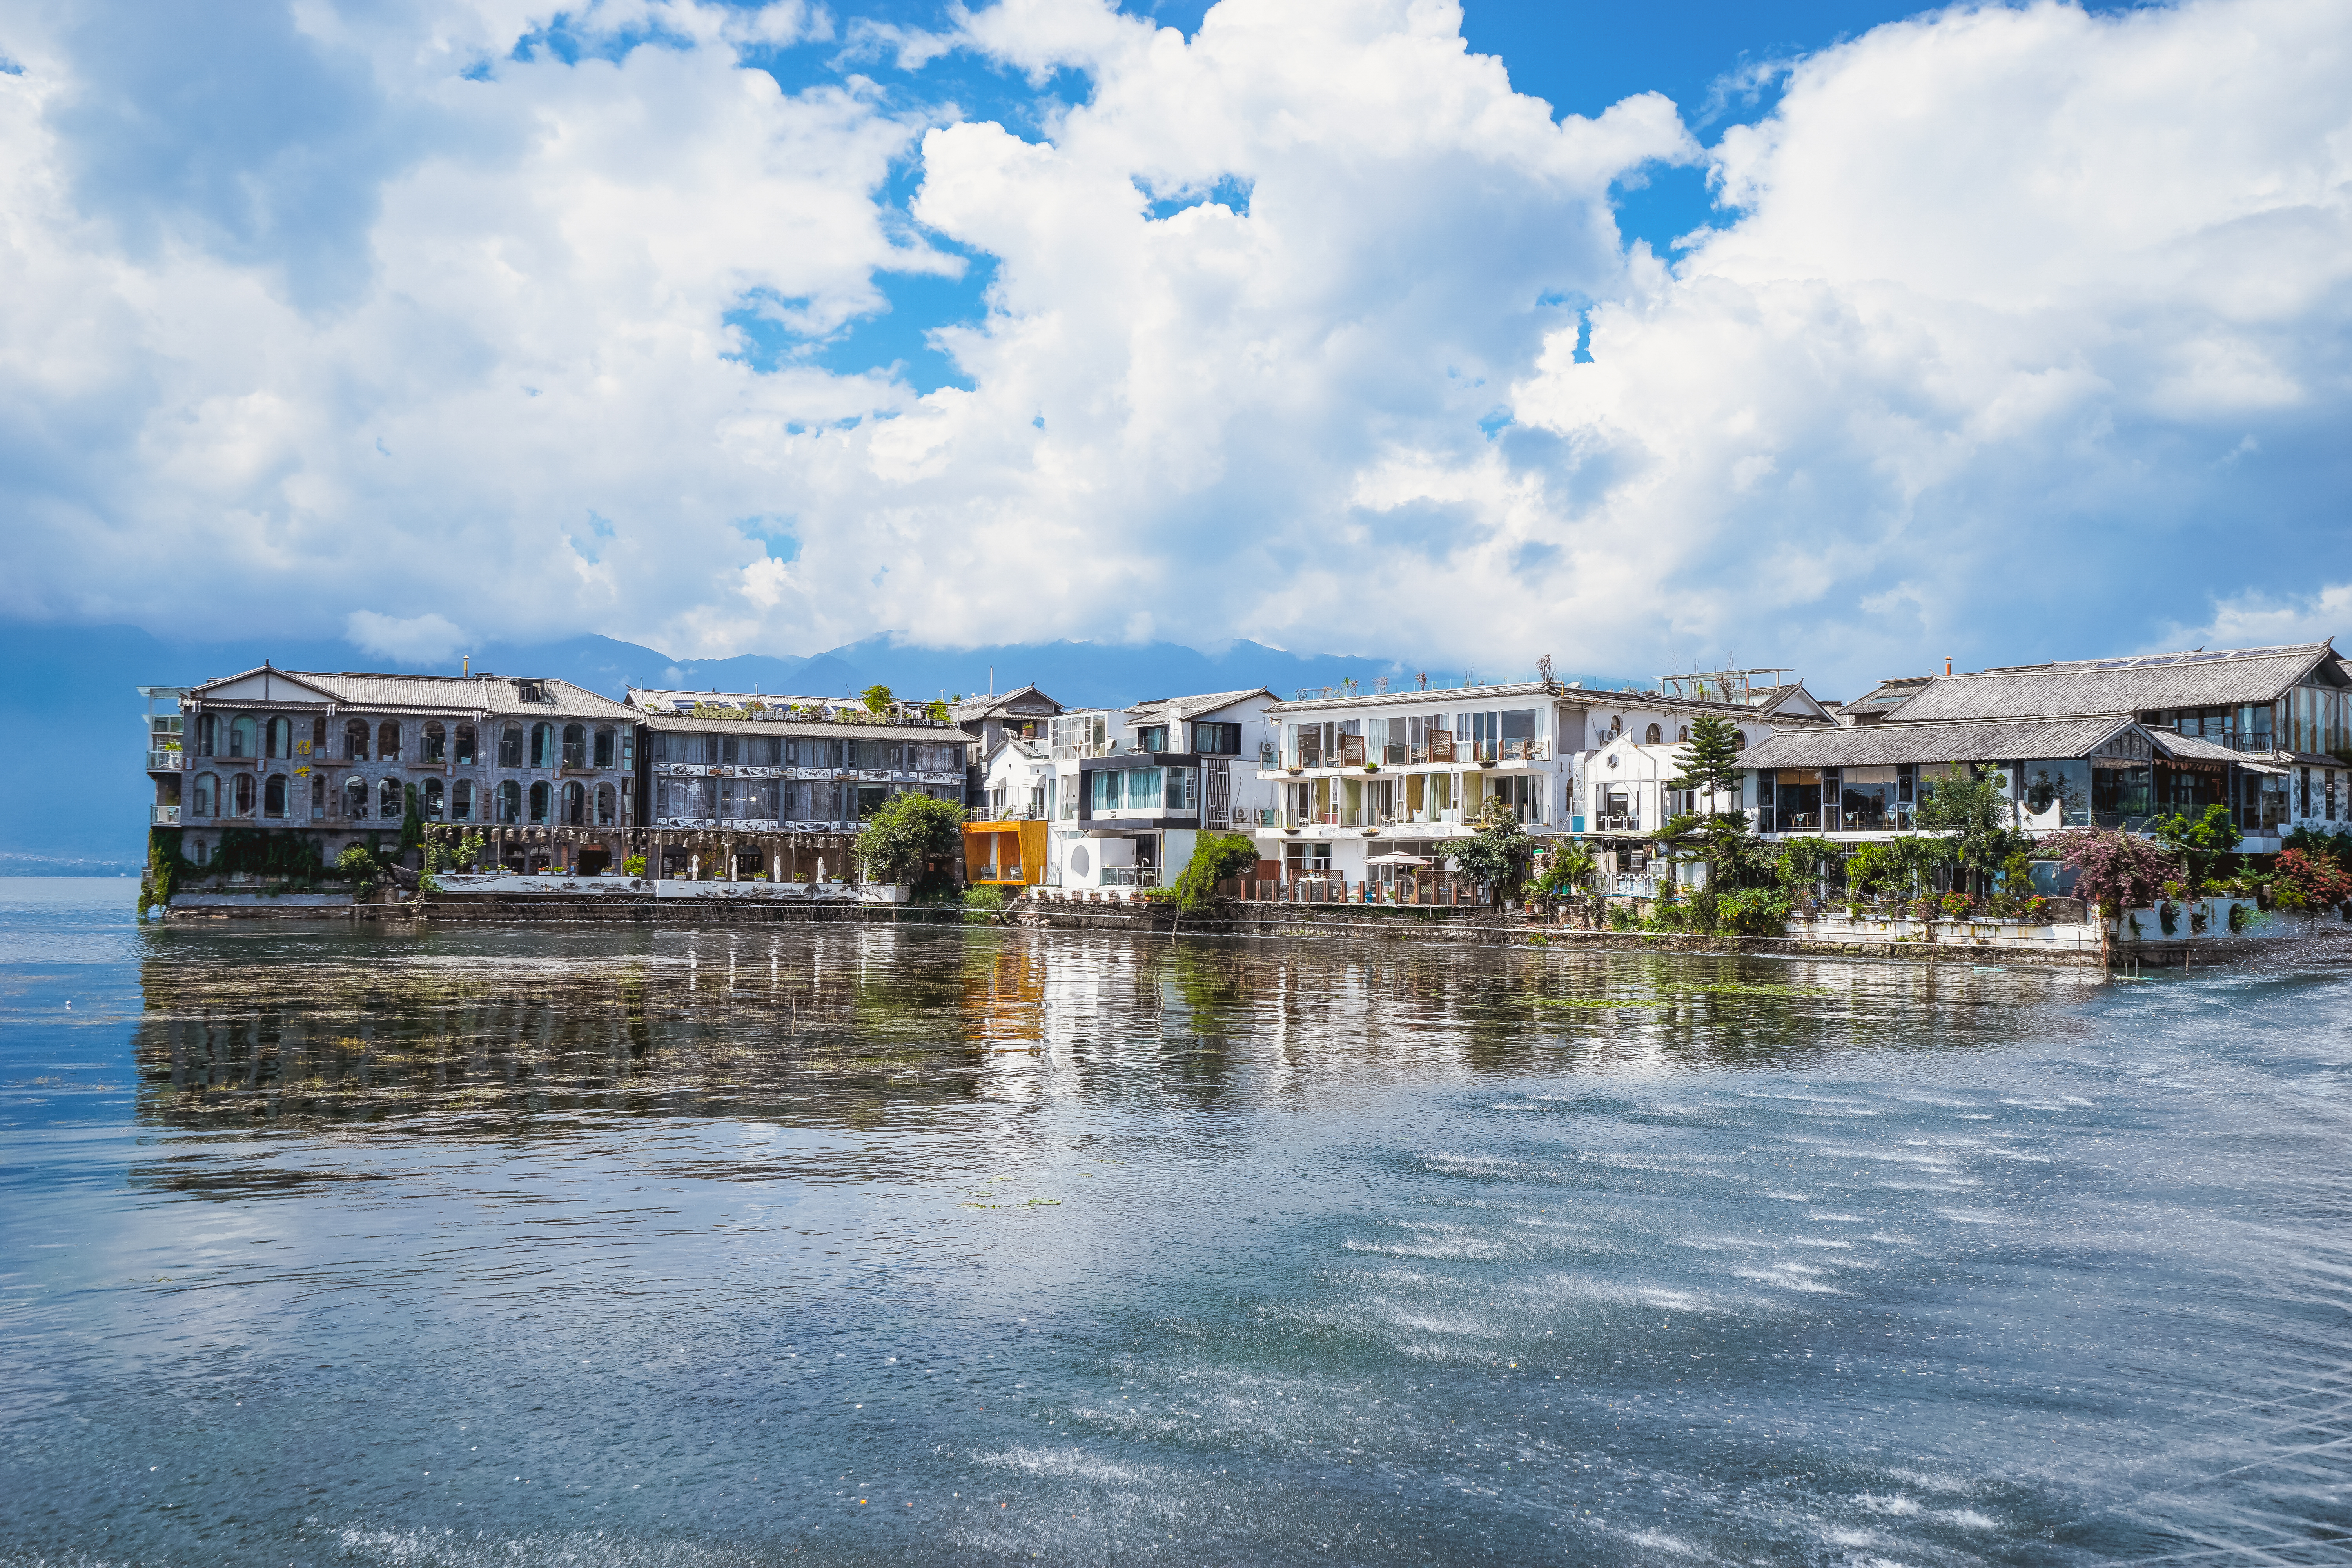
70 702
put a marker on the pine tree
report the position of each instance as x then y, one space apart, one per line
1711 763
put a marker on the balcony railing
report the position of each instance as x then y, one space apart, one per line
163 816
1010 813
163 761
1617 822
1129 877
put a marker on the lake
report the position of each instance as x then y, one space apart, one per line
861 1243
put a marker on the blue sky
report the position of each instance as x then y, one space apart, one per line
1838 336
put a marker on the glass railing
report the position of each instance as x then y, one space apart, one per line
163 816
1129 877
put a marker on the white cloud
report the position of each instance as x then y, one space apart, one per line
2245 620
419 639
2021 306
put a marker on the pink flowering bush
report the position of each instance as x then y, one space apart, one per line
2114 871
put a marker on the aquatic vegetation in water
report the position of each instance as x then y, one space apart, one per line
1661 998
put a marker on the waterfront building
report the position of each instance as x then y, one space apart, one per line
2110 742
737 785
993 719
542 768
1363 775
1128 791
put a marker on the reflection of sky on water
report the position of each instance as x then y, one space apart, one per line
670 1247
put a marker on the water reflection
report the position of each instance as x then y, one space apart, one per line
981 1246
792 1024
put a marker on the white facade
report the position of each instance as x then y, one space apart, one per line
1133 789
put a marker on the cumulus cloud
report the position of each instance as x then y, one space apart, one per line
417 639
2013 315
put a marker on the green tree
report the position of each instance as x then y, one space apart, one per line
1975 810
2204 844
910 838
412 821
1216 857
877 699
1711 759
1498 854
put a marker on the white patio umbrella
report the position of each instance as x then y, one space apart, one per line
1396 858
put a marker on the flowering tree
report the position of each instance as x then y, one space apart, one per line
2307 881
2115 870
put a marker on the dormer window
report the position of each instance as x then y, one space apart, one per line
530 691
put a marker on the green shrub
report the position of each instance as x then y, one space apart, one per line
635 866
982 905
1754 911
1216 857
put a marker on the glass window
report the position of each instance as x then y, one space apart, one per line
1103 792
461 801
543 750
1218 740
208 792
355 739
1145 788
387 742
1151 738
435 747
388 804
207 729
281 738
243 738
429 800
604 805
355 798
2057 793
242 794
542 798
1797 800
575 745
465 746
273 795
576 804
510 796
510 748
1183 791
2121 792
604 746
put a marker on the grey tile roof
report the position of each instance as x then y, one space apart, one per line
1878 745
363 691
684 724
2117 685
1193 706
2189 748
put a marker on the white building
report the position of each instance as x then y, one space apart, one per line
1361 774
1133 789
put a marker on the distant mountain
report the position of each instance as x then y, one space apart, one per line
76 800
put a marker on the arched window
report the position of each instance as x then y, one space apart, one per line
429 800
207 795
273 795
388 804
542 798
510 746
575 745
461 801
1684 734
576 804
435 747
604 746
317 795
242 794
207 728
542 746
280 742
465 746
604 805
355 798
243 737
1651 736
1739 740
509 801
355 739
387 742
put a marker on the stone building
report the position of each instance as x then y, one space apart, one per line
541 768
735 786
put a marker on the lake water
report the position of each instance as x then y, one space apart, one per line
866 1245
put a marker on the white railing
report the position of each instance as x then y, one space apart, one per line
163 816
1129 877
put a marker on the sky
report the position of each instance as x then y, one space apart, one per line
1834 336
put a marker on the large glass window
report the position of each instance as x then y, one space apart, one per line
2121 792
510 746
604 746
281 738
273 795
1217 740
461 801
1797 800
1866 799
690 798
387 742
2057 793
542 799
747 800
241 794
1146 788
243 737
1103 791
207 794
543 750
575 745
510 800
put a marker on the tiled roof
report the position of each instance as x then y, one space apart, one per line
2117 685
2190 749
361 690
1193 706
1877 746
818 729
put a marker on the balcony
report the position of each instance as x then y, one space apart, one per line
1129 877
163 762
1010 813
1617 822
163 816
